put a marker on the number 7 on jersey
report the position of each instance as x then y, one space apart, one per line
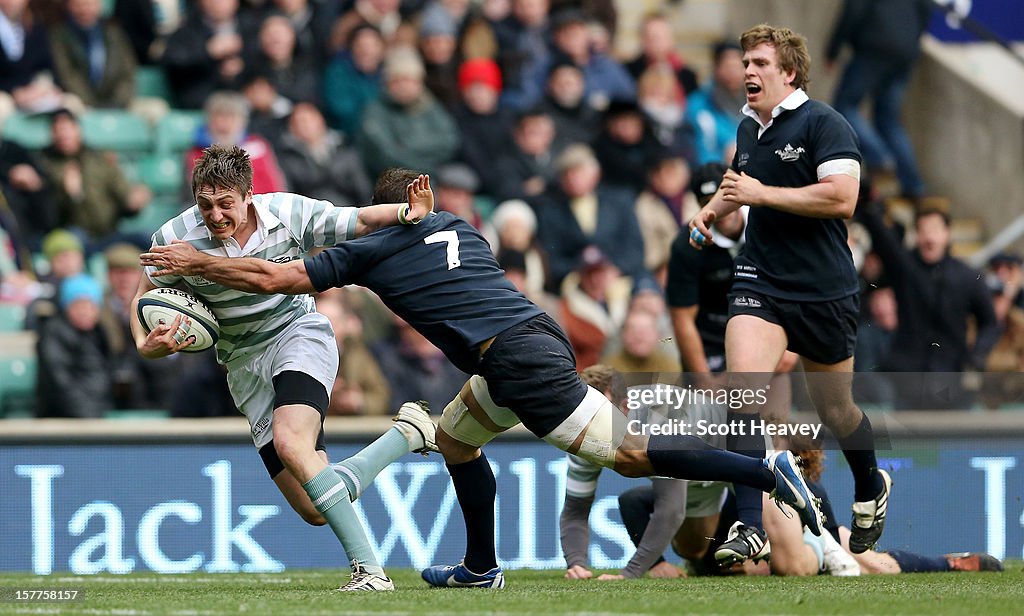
451 241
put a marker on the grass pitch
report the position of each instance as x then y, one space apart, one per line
528 592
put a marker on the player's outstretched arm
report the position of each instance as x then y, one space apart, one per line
420 204
244 274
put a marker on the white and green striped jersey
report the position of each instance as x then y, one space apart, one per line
288 227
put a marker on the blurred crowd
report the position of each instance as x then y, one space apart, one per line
576 165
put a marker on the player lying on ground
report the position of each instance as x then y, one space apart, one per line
441 277
280 354
795 552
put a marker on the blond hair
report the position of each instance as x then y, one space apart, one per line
790 49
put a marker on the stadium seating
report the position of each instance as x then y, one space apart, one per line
12 317
29 130
176 131
162 173
116 130
151 81
159 211
17 385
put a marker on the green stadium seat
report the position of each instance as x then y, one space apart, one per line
29 130
152 81
12 317
176 131
158 212
115 130
17 385
136 414
163 173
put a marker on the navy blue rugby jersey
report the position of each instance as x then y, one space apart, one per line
440 276
786 255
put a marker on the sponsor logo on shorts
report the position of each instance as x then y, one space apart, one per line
746 302
260 426
789 154
281 259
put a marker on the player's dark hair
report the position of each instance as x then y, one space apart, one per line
606 380
392 185
223 166
790 49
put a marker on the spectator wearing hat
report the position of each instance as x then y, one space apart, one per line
90 190
352 79
317 161
135 383
406 126
714 110
516 227
595 301
484 127
605 79
575 120
438 45
1006 266
65 257
457 185
74 361
526 165
625 146
581 210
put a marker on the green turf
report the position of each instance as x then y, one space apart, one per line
528 592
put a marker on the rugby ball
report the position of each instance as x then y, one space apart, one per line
161 306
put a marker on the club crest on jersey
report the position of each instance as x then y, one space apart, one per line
197 281
746 302
743 159
789 154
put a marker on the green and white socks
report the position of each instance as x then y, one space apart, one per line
331 499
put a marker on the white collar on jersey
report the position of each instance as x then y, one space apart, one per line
265 220
794 100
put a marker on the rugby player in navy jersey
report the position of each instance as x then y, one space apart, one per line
797 166
441 277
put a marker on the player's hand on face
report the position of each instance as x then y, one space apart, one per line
421 198
168 338
740 188
578 572
176 259
700 228
605 577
